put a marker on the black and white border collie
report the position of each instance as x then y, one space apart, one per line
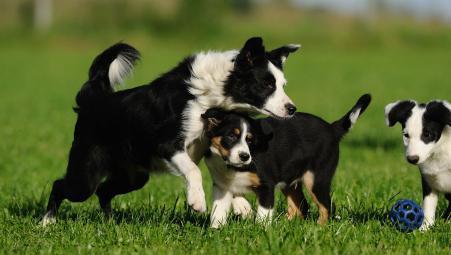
256 155
121 136
427 141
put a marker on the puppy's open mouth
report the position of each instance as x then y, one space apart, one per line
240 167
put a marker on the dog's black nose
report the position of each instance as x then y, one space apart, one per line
291 109
413 159
244 156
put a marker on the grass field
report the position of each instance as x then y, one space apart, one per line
40 79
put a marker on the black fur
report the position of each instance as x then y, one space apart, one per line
120 136
400 113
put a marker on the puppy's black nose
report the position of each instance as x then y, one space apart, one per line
413 159
244 156
291 109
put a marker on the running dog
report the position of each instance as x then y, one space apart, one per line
121 136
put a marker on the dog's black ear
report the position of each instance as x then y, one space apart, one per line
279 55
252 52
398 111
438 111
213 117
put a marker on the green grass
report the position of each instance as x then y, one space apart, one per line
40 79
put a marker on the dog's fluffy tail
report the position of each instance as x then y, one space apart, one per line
343 125
107 70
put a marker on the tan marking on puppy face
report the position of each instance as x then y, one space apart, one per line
216 143
254 179
308 180
295 200
237 131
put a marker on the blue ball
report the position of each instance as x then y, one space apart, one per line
406 215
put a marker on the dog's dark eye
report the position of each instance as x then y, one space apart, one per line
269 84
248 140
406 135
427 134
231 136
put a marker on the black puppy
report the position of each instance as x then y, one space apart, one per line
285 153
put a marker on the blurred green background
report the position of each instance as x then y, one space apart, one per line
393 49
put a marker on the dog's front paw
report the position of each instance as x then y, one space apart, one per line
241 207
264 216
196 199
48 219
217 223
425 226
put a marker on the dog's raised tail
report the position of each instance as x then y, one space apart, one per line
343 125
107 70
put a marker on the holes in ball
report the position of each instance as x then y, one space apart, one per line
411 216
401 214
407 207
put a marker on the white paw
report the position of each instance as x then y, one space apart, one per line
425 226
264 216
241 207
196 199
217 223
48 219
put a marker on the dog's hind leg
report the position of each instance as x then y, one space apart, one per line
85 170
447 214
119 182
319 190
297 204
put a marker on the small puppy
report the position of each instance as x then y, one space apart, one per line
427 141
259 154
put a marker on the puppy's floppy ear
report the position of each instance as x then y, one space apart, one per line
438 111
252 51
213 117
398 111
279 55
263 133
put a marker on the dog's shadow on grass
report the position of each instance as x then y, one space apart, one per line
140 215
363 216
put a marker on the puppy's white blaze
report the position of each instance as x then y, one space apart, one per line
354 116
277 101
119 69
240 147
415 146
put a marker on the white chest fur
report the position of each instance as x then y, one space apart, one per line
228 179
437 169
440 181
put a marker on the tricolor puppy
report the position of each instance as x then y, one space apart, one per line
427 140
256 155
121 136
